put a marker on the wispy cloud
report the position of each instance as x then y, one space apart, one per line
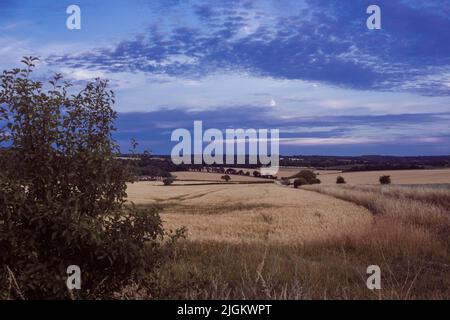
324 42
419 133
308 67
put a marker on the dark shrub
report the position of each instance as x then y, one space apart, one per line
168 181
385 179
285 181
62 193
340 180
300 182
226 178
308 176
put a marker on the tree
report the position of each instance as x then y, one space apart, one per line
300 182
285 181
62 193
340 180
308 176
385 179
230 171
226 178
168 181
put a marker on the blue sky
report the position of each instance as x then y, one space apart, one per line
310 68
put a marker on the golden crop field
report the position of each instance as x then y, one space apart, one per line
251 213
268 241
213 177
425 176
431 176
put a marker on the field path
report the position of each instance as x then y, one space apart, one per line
252 213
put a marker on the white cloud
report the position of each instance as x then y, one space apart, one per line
82 74
325 141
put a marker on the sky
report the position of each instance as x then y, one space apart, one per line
310 68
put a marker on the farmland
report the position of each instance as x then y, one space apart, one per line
432 176
251 213
267 241
421 176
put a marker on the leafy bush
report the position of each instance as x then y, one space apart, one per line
168 181
340 180
385 179
306 176
300 182
226 178
62 193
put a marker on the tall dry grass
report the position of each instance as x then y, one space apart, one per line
409 238
420 207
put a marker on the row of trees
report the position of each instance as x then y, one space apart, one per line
304 177
382 179
230 171
307 177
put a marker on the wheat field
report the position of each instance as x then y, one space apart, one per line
328 177
431 176
267 241
251 213
212 177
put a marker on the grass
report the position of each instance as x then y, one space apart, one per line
271 253
426 209
331 270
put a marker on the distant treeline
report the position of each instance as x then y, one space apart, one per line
160 166
364 163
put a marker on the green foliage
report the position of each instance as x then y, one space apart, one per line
300 182
168 181
226 178
62 193
385 180
340 180
306 176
